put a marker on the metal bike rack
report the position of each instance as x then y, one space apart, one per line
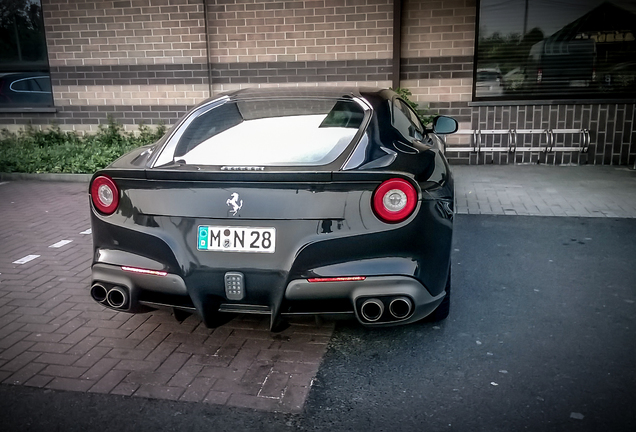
547 147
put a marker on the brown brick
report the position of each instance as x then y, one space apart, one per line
63 371
58 359
217 397
38 381
24 374
137 365
108 382
91 357
160 392
198 389
125 389
100 368
185 375
69 384
15 350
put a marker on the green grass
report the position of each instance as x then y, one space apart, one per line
56 151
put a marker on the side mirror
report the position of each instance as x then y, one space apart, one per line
444 125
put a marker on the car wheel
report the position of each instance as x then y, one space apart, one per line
442 310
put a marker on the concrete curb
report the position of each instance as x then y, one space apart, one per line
77 178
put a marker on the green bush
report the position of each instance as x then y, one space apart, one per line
426 117
55 151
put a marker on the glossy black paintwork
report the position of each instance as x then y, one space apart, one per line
323 216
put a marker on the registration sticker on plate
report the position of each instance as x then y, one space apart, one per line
236 239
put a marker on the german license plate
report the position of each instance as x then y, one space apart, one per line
236 239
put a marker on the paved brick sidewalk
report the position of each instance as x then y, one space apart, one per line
53 335
539 190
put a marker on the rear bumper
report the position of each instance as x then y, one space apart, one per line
384 289
301 297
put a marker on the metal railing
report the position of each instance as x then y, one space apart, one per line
548 146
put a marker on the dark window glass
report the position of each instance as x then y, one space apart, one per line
24 70
406 121
565 49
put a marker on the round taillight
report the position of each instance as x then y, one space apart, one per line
394 200
105 194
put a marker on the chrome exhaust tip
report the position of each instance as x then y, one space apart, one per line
117 298
98 293
400 307
372 310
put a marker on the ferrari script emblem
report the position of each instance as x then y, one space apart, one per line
234 202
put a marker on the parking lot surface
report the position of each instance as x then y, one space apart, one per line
54 336
540 190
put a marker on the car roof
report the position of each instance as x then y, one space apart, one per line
300 92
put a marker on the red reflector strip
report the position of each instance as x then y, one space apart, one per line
338 279
144 271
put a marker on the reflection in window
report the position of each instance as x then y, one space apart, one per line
287 132
534 49
24 70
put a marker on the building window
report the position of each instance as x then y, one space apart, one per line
24 68
546 49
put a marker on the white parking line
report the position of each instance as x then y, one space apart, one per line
60 243
88 231
26 259
3 183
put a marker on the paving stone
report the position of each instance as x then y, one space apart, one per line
53 335
137 365
241 387
173 362
69 384
217 397
125 389
85 346
58 359
39 381
294 398
128 354
63 371
20 361
94 355
185 375
13 338
198 389
160 392
108 382
15 350
162 352
44 337
274 385
24 374
50 347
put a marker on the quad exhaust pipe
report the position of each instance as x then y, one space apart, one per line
115 297
372 310
401 307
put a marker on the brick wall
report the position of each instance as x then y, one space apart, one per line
437 57
151 60
134 59
265 43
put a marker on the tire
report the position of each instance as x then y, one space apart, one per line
443 309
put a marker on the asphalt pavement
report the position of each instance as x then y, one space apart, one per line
541 334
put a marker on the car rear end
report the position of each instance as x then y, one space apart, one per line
264 206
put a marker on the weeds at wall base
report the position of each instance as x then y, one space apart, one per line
56 151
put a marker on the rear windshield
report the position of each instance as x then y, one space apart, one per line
290 132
